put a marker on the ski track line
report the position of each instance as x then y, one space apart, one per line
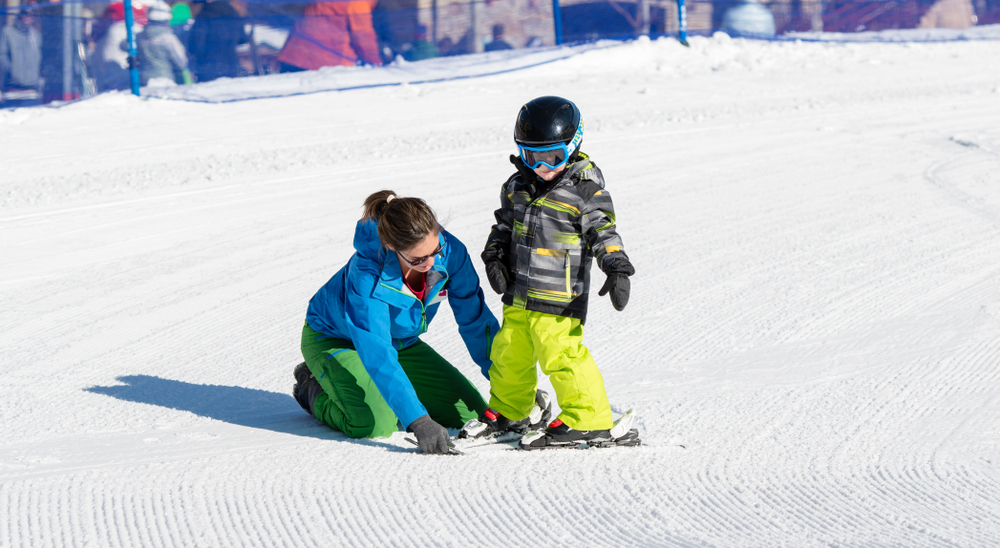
744 315
263 187
789 259
917 475
907 490
961 199
848 308
853 306
277 500
271 513
227 510
987 289
753 443
262 192
295 519
181 297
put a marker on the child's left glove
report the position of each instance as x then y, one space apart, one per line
618 283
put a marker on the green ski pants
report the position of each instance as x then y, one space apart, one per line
350 402
556 344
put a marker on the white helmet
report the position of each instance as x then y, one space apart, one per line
159 11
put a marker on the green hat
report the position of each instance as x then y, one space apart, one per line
181 13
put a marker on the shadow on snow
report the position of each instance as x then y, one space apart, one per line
237 405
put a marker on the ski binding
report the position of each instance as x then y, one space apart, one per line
620 435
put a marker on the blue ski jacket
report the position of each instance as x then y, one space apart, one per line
368 303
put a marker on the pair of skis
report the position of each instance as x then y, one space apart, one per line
621 435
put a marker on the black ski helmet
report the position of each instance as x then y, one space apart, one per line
549 120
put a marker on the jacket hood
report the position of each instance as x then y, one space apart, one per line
366 240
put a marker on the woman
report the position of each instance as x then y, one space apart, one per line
366 369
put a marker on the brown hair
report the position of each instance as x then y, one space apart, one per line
402 222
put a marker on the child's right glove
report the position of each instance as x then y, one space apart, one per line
617 283
496 270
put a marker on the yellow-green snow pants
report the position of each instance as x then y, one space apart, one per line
350 402
556 344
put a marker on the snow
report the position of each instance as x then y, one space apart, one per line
815 315
400 72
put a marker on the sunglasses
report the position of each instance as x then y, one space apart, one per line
420 260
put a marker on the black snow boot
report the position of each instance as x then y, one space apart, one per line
306 387
559 434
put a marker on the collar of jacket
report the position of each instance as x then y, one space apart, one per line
568 176
392 290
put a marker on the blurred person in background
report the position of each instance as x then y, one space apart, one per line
162 59
498 43
50 21
20 61
422 48
109 62
332 34
217 30
181 21
446 46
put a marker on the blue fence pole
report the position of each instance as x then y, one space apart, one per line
133 65
682 22
557 21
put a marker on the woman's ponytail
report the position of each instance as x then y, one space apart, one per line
375 205
402 222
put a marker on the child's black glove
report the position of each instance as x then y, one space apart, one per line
431 436
618 283
496 270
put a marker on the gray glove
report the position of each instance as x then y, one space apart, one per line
431 436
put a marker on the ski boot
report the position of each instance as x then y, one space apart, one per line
560 435
492 424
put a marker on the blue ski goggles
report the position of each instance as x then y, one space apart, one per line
551 156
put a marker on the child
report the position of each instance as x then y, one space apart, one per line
161 56
555 217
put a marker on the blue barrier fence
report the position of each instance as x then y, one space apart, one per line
65 50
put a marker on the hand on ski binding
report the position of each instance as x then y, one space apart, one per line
431 436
